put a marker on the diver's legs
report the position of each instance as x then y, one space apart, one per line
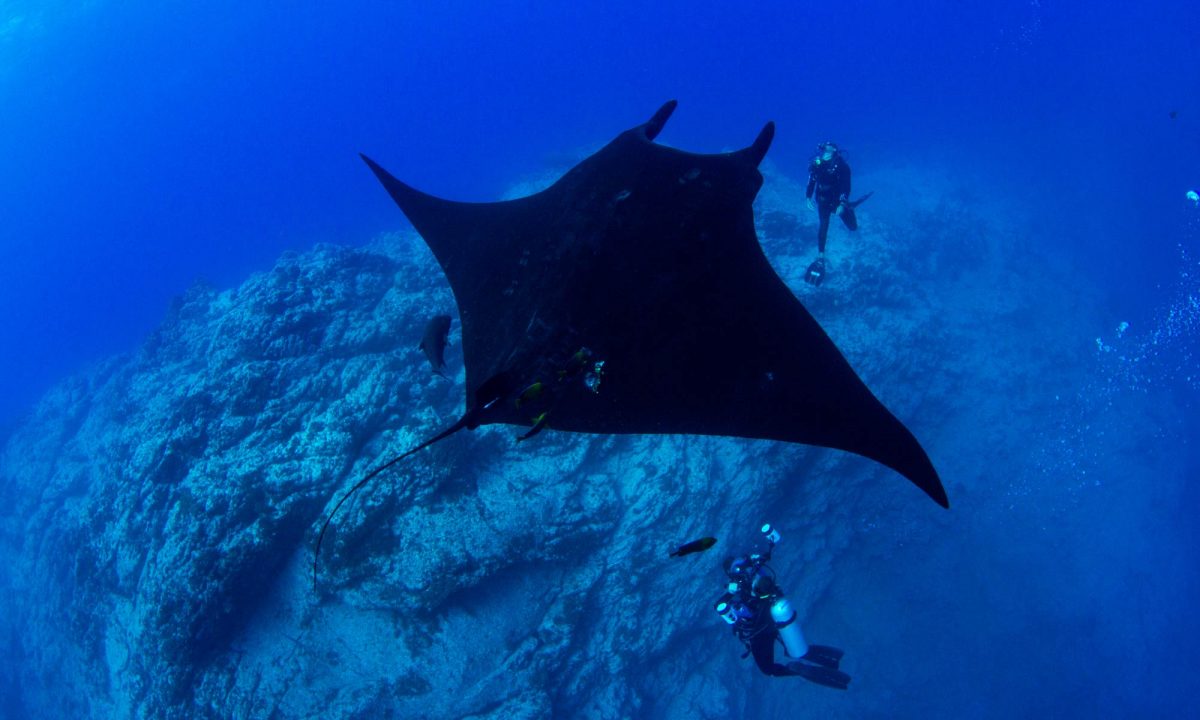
823 212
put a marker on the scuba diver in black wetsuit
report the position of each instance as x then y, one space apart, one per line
829 181
761 617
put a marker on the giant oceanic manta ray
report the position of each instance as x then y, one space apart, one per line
632 296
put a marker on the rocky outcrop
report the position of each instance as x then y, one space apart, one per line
161 507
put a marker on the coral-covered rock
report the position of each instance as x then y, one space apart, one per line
161 507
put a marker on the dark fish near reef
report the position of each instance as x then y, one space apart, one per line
694 546
646 256
433 343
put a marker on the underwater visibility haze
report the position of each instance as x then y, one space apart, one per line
218 324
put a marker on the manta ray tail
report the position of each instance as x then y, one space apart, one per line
459 425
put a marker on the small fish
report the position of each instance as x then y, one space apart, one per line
694 546
593 378
434 342
575 365
539 424
531 393
1174 114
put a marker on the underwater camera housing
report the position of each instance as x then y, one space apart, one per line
748 575
752 586
725 609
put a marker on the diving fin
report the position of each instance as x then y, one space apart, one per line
824 655
847 214
855 203
820 675
815 274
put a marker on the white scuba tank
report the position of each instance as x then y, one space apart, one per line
788 626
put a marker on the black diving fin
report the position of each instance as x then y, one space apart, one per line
846 211
815 274
824 655
820 675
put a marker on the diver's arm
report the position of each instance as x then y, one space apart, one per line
845 182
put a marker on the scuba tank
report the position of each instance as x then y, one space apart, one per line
786 624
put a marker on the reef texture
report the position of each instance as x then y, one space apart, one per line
160 508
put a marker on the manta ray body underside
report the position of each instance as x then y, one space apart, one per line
632 296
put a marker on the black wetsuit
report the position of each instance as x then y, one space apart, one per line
829 180
763 639
819 664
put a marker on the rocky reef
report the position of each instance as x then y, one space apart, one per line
160 508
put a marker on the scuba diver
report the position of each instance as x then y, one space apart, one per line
761 617
829 182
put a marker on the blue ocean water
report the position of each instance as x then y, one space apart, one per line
144 147
147 146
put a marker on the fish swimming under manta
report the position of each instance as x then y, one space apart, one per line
434 342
